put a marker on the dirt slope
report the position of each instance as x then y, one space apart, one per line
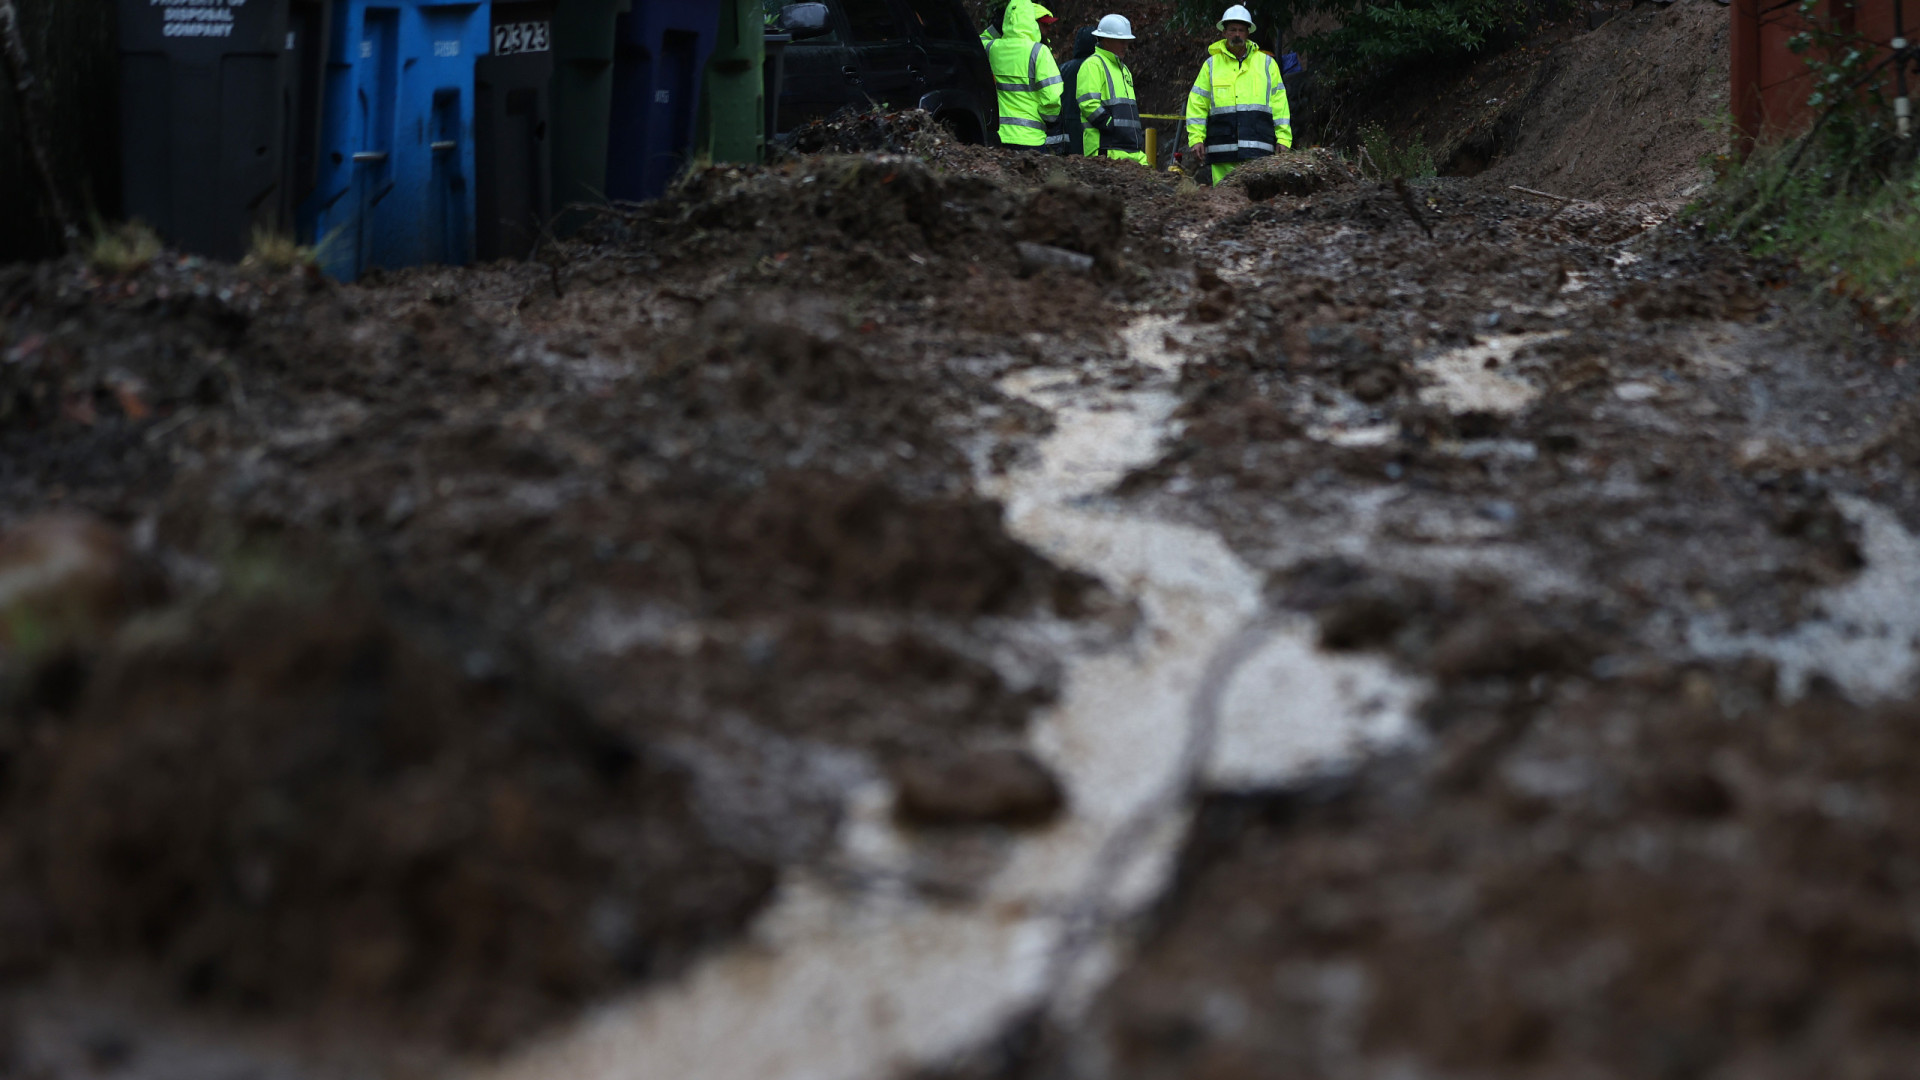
1622 112
1627 111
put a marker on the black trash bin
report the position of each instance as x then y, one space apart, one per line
774 78
220 116
513 113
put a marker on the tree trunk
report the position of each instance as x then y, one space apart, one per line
33 117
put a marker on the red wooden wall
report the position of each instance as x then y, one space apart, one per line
1770 82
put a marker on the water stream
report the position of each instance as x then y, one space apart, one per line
851 981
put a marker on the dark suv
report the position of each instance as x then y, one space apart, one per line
899 53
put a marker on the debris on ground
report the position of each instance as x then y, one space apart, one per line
1298 173
869 131
1004 786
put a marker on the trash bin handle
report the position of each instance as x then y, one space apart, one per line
370 157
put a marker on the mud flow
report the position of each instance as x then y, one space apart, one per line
913 610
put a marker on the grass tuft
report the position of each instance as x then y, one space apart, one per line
279 252
122 248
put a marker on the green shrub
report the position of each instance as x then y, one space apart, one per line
1374 38
1382 160
1843 200
1851 221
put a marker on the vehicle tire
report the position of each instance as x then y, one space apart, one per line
964 125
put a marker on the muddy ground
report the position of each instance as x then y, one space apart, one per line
395 673
1658 825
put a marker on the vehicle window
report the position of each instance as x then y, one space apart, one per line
873 20
940 20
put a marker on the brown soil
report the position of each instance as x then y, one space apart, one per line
1296 173
453 649
1627 111
1611 858
1624 111
1312 337
513 626
1659 879
291 802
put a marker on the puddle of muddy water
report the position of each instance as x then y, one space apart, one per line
1474 379
1356 437
1866 637
1274 712
842 981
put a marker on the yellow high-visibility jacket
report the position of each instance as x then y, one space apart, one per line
1026 76
1105 96
1237 108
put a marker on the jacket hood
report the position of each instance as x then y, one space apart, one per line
1219 49
1083 42
1020 23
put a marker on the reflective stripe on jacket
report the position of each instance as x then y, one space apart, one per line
1057 138
1238 108
1104 93
1026 77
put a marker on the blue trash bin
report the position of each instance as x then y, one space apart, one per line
660 52
396 184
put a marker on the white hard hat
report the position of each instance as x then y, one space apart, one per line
1114 28
1236 13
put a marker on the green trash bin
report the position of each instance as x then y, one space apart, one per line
733 112
583 51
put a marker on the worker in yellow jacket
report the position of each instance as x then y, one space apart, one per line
1026 77
1237 109
1104 93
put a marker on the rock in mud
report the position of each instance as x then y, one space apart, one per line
1037 257
1291 173
1078 219
1499 643
982 787
1364 621
62 576
1375 382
